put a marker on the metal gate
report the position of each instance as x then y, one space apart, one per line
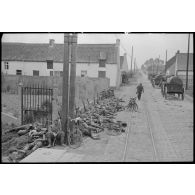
36 105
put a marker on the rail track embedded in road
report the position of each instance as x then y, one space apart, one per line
149 125
127 141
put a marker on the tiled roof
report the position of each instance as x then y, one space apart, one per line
181 61
42 52
170 62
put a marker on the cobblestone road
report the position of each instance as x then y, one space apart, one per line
171 124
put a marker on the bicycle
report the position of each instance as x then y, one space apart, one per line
132 105
74 137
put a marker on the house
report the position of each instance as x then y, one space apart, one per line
123 67
93 60
177 65
124 63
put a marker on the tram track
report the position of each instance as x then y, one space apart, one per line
150 133
149 126
127 141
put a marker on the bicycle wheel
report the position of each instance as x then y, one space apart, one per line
132 108
135 107
75 139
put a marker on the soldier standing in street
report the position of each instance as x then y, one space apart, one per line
140 89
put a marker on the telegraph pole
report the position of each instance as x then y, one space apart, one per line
131 59
65 84
165 62
158 64
72 76
134 64
187 62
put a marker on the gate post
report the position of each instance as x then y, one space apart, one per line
20 93
55 97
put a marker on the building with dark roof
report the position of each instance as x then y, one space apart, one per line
177 65
92 60
124 63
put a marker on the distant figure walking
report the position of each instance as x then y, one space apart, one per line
140 89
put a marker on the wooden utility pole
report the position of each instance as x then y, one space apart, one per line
131 58
158 64
153 67
134 64
72 77
166 62
65 84
187 61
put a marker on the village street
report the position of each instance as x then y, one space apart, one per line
161 130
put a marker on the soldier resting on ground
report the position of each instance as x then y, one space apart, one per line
54 134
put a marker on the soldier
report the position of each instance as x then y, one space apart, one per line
140 89
55 133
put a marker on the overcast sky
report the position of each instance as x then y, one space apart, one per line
145 45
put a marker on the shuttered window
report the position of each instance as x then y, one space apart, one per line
18 72
49 64
6 65
102 74
102 63
35 73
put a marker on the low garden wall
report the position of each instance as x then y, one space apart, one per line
86 88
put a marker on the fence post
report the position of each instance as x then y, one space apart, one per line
20 93
55 97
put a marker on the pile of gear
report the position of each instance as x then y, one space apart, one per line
92 119
30 137
101 116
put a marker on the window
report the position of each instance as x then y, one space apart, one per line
102 74
51 73
6 65
49 64
56 73
35 73
83 73
102 63
18 72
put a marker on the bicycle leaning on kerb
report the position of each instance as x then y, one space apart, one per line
132 105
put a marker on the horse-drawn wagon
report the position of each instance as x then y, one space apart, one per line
173 85
158 78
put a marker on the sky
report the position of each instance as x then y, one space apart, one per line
145 45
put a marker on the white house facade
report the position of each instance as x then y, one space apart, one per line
93 60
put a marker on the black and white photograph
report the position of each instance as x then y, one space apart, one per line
97 97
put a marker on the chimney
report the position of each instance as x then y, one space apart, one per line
178 51
118 42
51 42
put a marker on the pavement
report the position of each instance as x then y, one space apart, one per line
161 131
